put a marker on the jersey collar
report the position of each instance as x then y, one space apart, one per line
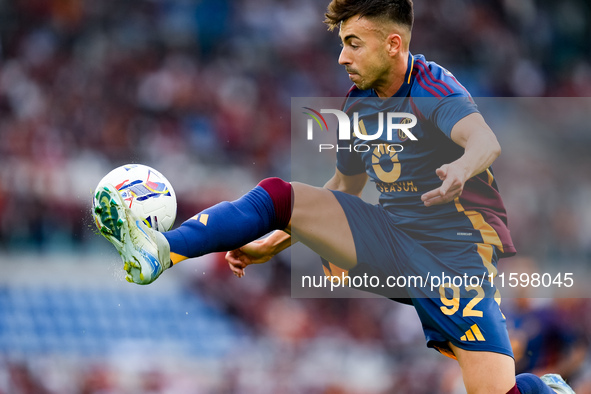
403 90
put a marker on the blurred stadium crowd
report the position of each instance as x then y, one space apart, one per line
201 90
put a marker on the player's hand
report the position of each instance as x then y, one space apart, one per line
454 176
256 252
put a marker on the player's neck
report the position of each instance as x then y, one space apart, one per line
395 79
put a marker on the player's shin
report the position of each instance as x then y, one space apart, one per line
230 225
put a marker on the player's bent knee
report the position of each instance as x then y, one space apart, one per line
476 367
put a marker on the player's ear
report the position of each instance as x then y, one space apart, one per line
394 43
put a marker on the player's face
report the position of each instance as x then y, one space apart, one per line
364 53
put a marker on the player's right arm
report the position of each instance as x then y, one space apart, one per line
262 250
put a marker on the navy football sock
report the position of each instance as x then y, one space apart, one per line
528 383
230 225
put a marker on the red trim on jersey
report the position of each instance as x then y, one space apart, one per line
351 105
426 69
462 86
418 77
350 90
480 196
347 97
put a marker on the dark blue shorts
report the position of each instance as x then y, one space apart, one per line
446 281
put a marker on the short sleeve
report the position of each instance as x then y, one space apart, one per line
445 112
450 110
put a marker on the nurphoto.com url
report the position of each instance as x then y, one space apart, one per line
435 281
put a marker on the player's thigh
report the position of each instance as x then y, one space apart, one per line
485 372
318 220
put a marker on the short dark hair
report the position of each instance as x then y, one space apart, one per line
398 11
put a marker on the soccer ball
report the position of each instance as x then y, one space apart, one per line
146 192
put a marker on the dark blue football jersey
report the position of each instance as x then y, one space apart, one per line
403 168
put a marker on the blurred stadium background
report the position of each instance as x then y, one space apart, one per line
201 91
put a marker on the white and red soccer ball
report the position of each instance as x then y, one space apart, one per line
146 192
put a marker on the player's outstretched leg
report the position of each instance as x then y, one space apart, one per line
230 225
145 252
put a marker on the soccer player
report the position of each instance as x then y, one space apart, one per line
440 209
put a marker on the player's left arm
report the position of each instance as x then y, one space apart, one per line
481 149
